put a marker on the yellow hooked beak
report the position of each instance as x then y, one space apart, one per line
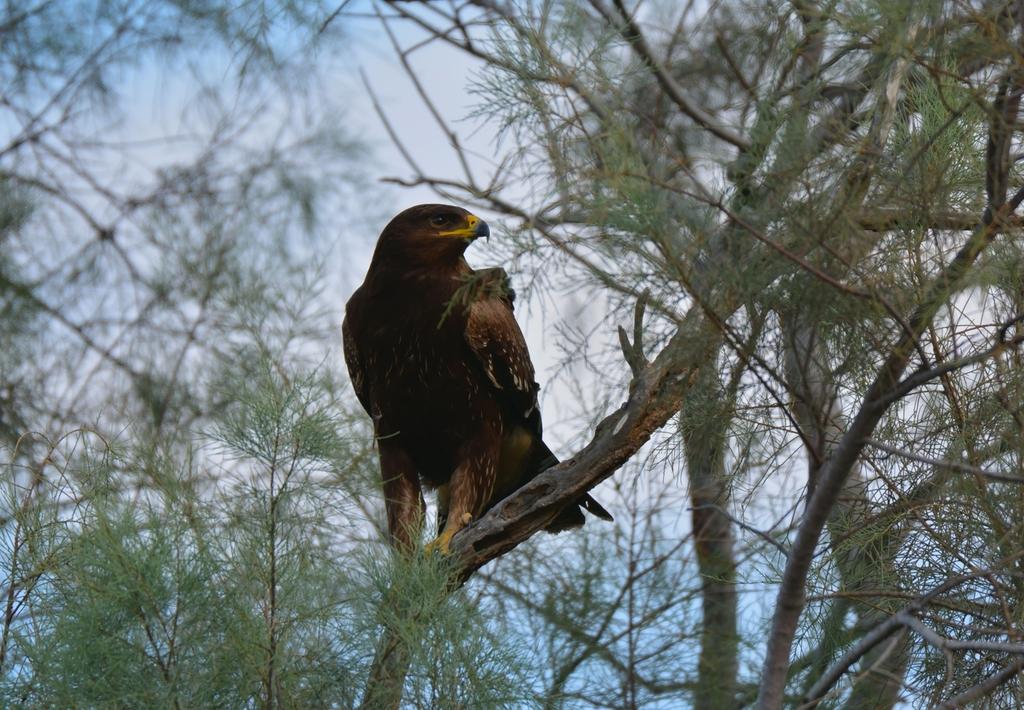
475 227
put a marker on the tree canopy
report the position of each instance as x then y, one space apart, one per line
796 373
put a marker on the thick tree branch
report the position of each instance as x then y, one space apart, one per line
387 672
883 219
705 417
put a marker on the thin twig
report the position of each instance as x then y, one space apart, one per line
631 32
944 464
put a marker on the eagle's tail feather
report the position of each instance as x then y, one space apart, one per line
572 515
595 508
568 518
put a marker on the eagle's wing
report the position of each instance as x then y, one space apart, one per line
355 364
495 338
498 344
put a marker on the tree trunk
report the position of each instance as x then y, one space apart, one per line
705 419
386 679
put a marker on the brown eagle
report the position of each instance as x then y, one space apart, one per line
440 365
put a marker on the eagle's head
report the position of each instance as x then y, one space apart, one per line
426 233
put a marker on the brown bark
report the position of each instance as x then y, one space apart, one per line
705 419
387 674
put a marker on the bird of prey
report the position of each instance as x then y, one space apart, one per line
439 363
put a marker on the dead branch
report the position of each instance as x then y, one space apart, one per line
634 352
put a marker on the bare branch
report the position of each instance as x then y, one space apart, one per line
453 138
631 32
634 352
945 465
886 628
984 688
388 127
922 376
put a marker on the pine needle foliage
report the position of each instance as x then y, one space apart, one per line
187 597
816 204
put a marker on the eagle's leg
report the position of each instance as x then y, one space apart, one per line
403 497
469 491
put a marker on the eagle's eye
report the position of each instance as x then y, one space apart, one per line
439 220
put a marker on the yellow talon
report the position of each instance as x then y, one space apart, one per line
441 542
